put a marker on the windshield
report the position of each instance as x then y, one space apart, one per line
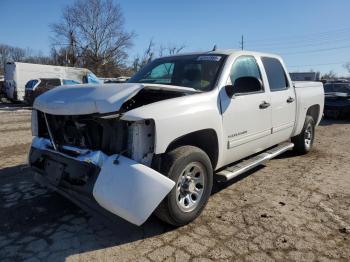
30 84
196 71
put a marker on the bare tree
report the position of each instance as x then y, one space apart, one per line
347 66
330 75
17 54
149 54
93 31
4 56
170 49
11 54
175 49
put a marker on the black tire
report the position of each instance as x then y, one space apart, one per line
174 165
301 146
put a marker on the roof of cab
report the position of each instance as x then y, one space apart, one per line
227 52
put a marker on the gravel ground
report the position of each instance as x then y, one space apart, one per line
291 209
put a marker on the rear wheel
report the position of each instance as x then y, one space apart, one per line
191 169
304 141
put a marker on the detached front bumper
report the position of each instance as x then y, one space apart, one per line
124 187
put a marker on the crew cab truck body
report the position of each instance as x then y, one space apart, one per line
156 143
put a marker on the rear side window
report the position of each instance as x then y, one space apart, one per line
54 82
48 83
275 74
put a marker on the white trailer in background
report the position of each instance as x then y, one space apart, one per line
18 74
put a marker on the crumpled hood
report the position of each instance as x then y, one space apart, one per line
86 99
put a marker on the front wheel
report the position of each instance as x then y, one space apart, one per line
304 141
191 169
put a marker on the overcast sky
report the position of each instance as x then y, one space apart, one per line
312 34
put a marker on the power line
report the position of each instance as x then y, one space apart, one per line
318 50
301 44
302 36
333 63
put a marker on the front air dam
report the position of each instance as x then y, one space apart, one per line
129 189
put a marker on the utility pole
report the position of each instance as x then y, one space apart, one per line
242 42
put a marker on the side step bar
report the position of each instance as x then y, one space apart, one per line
242 167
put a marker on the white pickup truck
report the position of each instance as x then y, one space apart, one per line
156 143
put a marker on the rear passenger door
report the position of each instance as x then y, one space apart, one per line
283 104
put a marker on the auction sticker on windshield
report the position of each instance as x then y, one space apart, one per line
209 58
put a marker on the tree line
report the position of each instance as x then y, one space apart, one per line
90 34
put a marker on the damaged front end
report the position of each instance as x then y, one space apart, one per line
102 157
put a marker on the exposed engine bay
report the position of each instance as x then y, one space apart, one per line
106 132
93 132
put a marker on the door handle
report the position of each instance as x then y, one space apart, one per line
290 100
264 105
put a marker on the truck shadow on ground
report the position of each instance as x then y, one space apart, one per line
38 223
219 186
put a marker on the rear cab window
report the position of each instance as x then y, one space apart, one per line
276 75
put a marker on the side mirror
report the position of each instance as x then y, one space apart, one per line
246 84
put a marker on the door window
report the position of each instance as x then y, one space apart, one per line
275 74
49 83
245 66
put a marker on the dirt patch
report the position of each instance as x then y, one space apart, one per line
295 208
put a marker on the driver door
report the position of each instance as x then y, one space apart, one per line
247 115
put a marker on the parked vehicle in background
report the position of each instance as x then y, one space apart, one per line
36 87
2 91
121 79
305 76
155 143
337 99
18 74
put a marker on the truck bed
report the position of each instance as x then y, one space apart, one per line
307 94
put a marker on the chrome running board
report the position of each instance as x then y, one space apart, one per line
248 164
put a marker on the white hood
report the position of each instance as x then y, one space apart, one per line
89 99
85 99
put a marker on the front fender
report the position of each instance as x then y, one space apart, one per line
177 117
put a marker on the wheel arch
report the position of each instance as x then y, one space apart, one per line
205 139
314 112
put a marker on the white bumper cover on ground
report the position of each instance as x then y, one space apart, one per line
124 187
130 190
